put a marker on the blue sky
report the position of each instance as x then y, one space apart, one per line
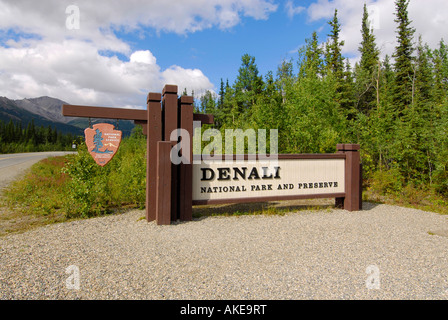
124 49
218 52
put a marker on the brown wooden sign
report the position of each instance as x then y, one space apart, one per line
102 142
288 177
172 189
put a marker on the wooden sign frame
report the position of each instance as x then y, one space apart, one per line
169 186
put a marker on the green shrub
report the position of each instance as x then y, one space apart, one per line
386 182
83 172
95 190
441 179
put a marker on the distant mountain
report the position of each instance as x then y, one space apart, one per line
48 108
48 111
9 110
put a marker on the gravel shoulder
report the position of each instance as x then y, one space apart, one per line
324 254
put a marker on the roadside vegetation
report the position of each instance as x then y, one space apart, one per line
74 186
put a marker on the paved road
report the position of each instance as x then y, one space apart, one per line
13 165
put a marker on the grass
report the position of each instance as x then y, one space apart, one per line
410 197
42 190
39 198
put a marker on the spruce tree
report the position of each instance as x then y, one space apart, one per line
404 71
311 63
334 59
387 80
348 92
368 49
439 59
248 85
221 95
423 75
227 112
336 68
367 79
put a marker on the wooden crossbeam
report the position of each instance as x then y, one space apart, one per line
120 113
103 112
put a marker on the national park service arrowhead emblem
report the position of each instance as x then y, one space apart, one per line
102 142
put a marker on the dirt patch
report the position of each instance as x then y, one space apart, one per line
16 221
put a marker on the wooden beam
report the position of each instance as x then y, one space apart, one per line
153 131
204 118
103 112
138 115
163 187
185 183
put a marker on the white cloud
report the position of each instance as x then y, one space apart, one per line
74 71
44 57
292 10
430 19
143 56
193 79
48 17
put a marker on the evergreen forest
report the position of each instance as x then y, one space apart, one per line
14 137
395 107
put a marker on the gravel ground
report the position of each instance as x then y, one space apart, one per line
305 255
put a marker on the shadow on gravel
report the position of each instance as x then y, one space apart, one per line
366 206
269 208
262 208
